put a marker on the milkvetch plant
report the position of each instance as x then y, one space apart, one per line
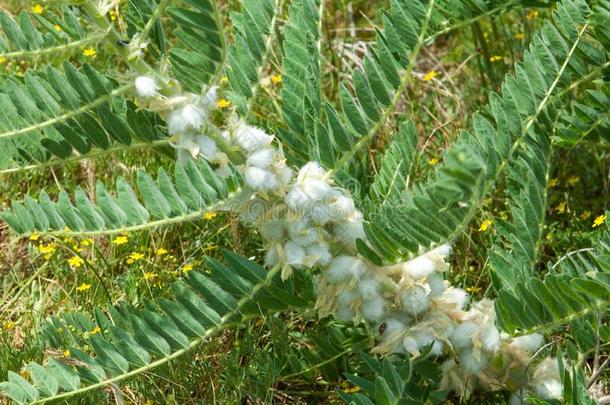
378 258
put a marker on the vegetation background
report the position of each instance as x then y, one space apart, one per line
290 358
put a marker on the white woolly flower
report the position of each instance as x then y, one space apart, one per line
490 339
146 87
443 250
259 179
529 343
273 256
342 207
436 283
273 230
373 309
348 231
285 175
455 297
420 267
343 268
320 252
423 339
302 233
345 301
209 100
549 389
472 362
207 147
368 287
415 300
186 118
461 335
251 138
294 253
311 170
410 345
261 158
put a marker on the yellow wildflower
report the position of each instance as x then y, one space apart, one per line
496 58
149 275
430 75
585 215
572 180
134 257
532 14
473 289
224 79
276 79
161 252
89 52
75 261
95 330
37 9
47 250
66 353
8 325
223 103
86 242
120 240
187 267
2 60
209 215
553 182
57 28
561 208
519 35
433 161
485 225
35 236
83 287
599 220
112 15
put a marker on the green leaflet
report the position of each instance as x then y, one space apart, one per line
194 190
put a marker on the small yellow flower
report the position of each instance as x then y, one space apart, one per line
95 331
134 257
224 79
532 14
187 267
433 161
35 236
112 15
37 9
8 325
57 28
47 250
519 35
120 240
430 75
599 220
473 289
149 275
75 261
585 215
209 215
496 58
561 208
572 180
66 353
86 242
276 79
83 287
89 52
161 252
553 182
223 103
2 60
485 225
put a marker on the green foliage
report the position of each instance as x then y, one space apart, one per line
194 191
127 341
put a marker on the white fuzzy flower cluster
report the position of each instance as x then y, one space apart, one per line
265 169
